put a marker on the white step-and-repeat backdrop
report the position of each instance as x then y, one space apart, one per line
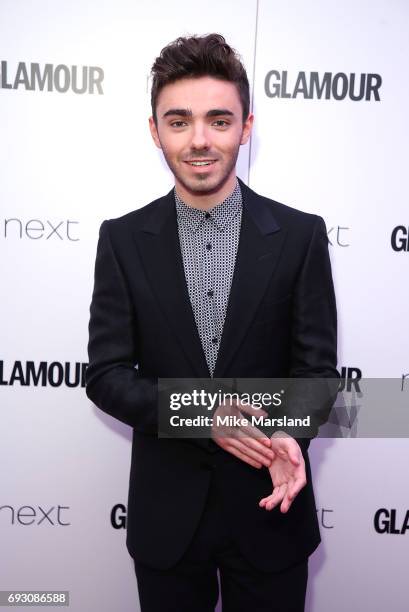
330 95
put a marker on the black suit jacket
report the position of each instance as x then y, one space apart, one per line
280 322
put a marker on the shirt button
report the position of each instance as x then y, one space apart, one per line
207 215
210 293
208 246
215 340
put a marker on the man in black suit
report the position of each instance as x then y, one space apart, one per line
211 281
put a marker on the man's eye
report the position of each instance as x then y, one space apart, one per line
178 124
220 123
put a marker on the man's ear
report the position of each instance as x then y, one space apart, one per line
247 127
154 132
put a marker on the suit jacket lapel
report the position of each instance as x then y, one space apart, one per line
260 243
160 252
261 240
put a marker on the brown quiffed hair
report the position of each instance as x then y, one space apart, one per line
197 56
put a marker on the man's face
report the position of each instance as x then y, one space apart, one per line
200 129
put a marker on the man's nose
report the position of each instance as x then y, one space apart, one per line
200 137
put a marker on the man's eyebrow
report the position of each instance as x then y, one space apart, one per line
186 112
181 112
215 112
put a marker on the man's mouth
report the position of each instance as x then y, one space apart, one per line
202 162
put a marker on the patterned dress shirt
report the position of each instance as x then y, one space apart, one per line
209 242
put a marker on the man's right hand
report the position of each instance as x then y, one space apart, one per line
244 441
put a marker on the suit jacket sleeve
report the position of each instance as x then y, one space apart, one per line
314 335
112 379
313 340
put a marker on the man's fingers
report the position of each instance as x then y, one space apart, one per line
248 451
240 455
257 445
226 444
292 493
296 486
260 445
295 456
285 493
250 410
251 432
288 447
285 506
275 498
257 453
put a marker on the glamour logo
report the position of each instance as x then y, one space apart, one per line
400 238
60 78
54 374
387 521
34 515
313 85
342 420
350 378
35 229
118 516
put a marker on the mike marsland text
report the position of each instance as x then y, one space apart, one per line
235 421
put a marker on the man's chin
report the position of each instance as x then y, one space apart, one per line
203 185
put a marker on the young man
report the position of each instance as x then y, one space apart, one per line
211 280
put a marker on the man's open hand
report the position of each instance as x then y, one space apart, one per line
245 442
287 472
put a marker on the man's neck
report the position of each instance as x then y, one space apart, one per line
206 200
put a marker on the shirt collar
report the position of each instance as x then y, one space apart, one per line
221 215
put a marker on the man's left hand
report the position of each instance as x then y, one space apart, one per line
287 472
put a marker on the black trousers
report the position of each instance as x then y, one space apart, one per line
192 584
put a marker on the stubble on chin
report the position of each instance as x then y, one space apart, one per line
202 184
